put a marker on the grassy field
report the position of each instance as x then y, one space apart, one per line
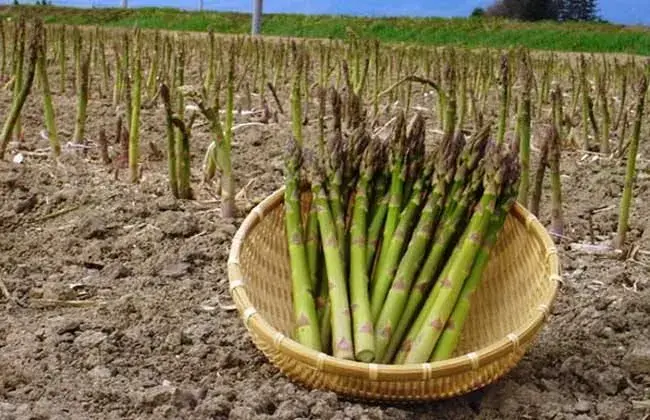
579 37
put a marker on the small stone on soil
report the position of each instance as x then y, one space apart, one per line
27 204
177 224
229 229
69 326
637 360
175 270
90 339
167 204
92 227
582 407
157 395
100 372
116 270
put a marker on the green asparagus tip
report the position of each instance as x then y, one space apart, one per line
398 143
314 166
354 151
415 146
293 155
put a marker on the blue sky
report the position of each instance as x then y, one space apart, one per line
618 11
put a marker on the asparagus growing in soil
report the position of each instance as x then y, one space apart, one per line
539 176
19 101
227 177
19 53
342 344
555 152
624 215
82 80
364 346
48 107
523 130
306 321
134 132
3 45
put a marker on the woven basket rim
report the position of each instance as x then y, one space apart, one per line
323 362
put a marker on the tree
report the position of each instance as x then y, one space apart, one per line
477 12
528 10
581 10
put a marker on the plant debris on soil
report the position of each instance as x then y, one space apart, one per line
118 304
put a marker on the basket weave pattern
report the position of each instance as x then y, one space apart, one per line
508 309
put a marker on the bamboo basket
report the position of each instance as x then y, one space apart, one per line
508 310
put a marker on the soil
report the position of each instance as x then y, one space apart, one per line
120 306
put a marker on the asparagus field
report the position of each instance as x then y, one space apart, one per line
129 158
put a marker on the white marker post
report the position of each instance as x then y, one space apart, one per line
257 17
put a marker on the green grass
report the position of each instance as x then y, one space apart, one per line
493 33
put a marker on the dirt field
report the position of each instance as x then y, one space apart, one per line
152 334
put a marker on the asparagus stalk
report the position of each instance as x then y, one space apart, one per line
62 60
435 319
504 85
524 130
604 110
445 238
134 140
360 301
227 177
171 140
414 328
398 174
555 152
445 230
335 170
539 177
454 327
624 214
306 321
3 46
48 107
82 98
395 243
19 53
19 101
342 344
409 265
375 228
312 245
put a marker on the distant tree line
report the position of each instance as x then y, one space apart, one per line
532 10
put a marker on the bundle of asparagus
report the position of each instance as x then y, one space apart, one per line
397 237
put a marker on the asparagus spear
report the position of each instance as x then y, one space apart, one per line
445 232
393 307
392 250
342 346
451 334
335 170
459 266
398 174
359 298
306 330
312 245
414 161
382 197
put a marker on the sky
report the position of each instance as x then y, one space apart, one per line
629 12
